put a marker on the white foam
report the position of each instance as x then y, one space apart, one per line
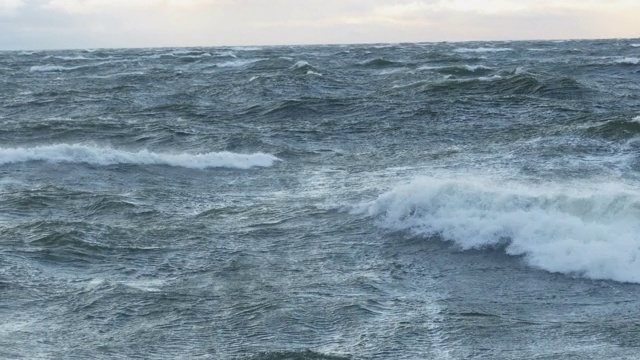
226 54
592 231
427 67
95 155
300 64
237 63
476 67
310 72
636 119
190 54
481 50
45 68
66 58
628 61
490 78
247 48
635 45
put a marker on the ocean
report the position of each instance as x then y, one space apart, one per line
472 200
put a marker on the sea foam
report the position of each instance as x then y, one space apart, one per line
592 232
95 155
481 50
45 68
628 61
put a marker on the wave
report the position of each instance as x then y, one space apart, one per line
591 232
617 129
190 53
521 84
76 153
628 61
68 58
635 45
481 50
58 68
381 63
459 70
305 68
47 68
237 63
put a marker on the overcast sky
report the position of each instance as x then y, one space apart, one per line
54 24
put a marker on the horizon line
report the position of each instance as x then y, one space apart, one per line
316 44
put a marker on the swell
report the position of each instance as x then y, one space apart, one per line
95 155
519 84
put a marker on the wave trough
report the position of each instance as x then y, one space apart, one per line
95 155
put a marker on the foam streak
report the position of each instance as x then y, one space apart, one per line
76 153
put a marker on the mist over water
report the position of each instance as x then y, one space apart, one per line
401 201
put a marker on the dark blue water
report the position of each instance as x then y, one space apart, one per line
411 201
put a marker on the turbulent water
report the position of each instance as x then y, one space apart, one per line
410 201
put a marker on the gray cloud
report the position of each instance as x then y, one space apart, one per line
36 24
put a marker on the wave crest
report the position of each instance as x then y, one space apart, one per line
593 233
76 153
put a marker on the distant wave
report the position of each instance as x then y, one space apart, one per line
628 61
481 50
45 68
306 68
381 63
635 45
591 232
68 58
460 70
237 63
521 84
95 155
50 67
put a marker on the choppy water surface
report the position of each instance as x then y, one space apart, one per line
413 201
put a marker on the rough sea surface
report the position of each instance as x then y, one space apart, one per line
409 201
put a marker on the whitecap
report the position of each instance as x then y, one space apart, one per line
67 58
48 68
247 48
590 230
628 61
636 119
490 78
95 155
476 67
237 63
481 50
226 54
310 72
300 64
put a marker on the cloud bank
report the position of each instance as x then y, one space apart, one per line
35 24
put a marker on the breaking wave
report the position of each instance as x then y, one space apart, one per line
587 231
76 153
628 61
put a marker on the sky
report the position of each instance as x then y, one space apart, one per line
71 24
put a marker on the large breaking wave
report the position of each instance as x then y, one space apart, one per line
95 155
588 231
